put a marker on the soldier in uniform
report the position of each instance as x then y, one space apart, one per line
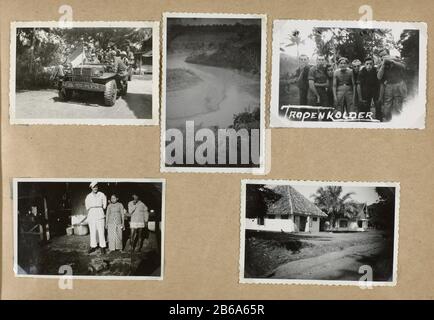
343 87
318 83
300 76
119 68
391 74
356 65
368 88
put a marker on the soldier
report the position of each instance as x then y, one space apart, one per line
93 58
343 87
300 76
130 56
119 66
391 74
356 65
124 58
318 83
368 88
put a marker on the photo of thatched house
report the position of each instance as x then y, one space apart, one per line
291 213
318 232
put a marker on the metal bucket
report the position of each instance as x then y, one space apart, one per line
81 230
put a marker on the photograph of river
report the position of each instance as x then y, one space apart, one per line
213 79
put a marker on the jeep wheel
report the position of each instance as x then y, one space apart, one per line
65 94
110 93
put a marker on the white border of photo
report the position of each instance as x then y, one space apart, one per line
362 284
155 25
102 180
215 169
413 119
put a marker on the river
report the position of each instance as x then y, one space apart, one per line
215 100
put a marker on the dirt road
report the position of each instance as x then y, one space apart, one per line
338 265
44 104
322 256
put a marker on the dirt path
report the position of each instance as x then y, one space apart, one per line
44 104
337 265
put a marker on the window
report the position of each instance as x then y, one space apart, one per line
360 223
284 216
343 223
261 221
315 219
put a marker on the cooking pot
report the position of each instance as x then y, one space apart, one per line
81 229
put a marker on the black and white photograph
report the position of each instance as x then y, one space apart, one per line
307 232
213 92
94 73
348 74
89 228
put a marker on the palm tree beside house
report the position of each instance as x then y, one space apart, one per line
344 214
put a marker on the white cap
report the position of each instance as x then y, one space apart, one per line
93 184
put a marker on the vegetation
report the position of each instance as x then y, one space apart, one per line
257 198
235 46
383 212
334 203
37 49
351 43
180 78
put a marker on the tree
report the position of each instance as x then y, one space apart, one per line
332 202
382 214
408 46
352 43
40 48
257 197
294 40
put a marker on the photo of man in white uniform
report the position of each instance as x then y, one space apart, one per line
96 203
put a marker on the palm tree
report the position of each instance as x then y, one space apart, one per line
331 201
294 39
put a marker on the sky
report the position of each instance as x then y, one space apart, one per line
361 194
308 47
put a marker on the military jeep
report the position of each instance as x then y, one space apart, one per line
93 78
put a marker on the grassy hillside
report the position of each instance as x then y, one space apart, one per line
179 78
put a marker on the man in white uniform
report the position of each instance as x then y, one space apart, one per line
96 203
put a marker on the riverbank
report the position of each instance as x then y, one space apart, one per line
181 78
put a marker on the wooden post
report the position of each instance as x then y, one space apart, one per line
47 226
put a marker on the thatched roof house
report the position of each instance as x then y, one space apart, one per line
293 202
355 218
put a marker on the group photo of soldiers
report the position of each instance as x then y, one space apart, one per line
350 70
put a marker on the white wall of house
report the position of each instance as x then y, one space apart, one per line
286 225
352 225
314 224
